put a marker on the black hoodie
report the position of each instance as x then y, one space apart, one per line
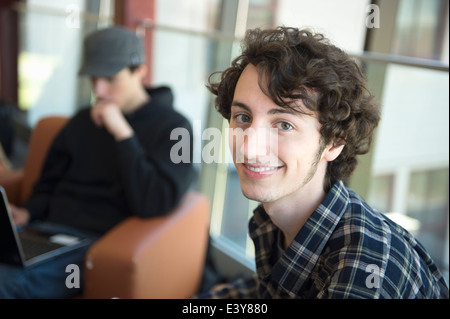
92 182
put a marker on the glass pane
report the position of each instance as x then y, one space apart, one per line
235 218
428 202
261 14
51 35
381 193
187 14
185 73
412 146
183 56
418 31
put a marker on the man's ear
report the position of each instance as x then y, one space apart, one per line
333 150
142 71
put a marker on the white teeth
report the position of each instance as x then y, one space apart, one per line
260 169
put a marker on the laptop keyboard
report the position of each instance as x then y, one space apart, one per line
34 245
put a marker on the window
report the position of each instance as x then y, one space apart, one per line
51 34
420 29
381 192
428 203
411 147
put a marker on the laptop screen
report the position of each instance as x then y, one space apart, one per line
9 250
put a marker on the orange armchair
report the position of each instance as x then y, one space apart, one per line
161 257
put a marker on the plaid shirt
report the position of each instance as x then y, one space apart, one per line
345 250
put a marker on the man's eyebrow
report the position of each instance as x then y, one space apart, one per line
274 111
241 105
283 111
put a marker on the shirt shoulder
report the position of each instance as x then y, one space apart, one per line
370 256
160 112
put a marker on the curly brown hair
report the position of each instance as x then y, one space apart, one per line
298 64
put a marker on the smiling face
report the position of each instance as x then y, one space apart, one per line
296 167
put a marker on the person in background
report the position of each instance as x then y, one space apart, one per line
110 161
5 164
314 237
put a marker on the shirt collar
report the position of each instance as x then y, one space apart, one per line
293 269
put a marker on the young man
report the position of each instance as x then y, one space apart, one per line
314 237
111 161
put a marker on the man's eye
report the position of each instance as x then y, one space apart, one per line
242 118
285 126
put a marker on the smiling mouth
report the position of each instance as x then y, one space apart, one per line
261 169
260 172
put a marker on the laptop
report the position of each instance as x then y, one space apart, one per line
32 245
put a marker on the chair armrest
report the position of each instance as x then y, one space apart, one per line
160 257
12 183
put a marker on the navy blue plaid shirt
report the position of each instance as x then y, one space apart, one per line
346 249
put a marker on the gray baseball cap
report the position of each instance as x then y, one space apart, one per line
108 51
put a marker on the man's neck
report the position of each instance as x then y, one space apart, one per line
139 100
289 214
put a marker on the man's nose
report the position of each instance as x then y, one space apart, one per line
100 87
260 145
